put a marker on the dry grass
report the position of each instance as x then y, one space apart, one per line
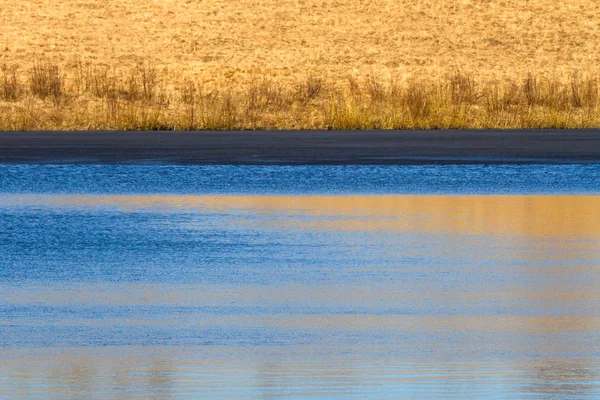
95 97
249 64
232 42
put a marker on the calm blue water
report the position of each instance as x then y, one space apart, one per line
302 180
301 282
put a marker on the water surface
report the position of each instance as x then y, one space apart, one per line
186 282
301 180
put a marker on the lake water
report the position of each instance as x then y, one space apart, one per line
301 282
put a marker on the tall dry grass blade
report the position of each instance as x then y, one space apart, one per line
189 97
418 101
46 81
462 87
375 90
531 90
309 89
10 89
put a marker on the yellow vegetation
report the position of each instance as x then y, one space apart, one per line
249 64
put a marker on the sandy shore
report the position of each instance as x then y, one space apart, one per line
303 147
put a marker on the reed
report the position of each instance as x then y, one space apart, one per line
83 97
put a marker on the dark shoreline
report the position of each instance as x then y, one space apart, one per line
303 147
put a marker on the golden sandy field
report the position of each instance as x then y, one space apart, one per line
236 43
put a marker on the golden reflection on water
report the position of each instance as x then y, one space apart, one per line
174 372
564 216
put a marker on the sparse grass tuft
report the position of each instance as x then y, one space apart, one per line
463 88
418 101
10 89
310 89
46 81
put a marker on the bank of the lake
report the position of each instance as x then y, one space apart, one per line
303 147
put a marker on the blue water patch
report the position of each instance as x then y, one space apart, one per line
356 179
325 297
